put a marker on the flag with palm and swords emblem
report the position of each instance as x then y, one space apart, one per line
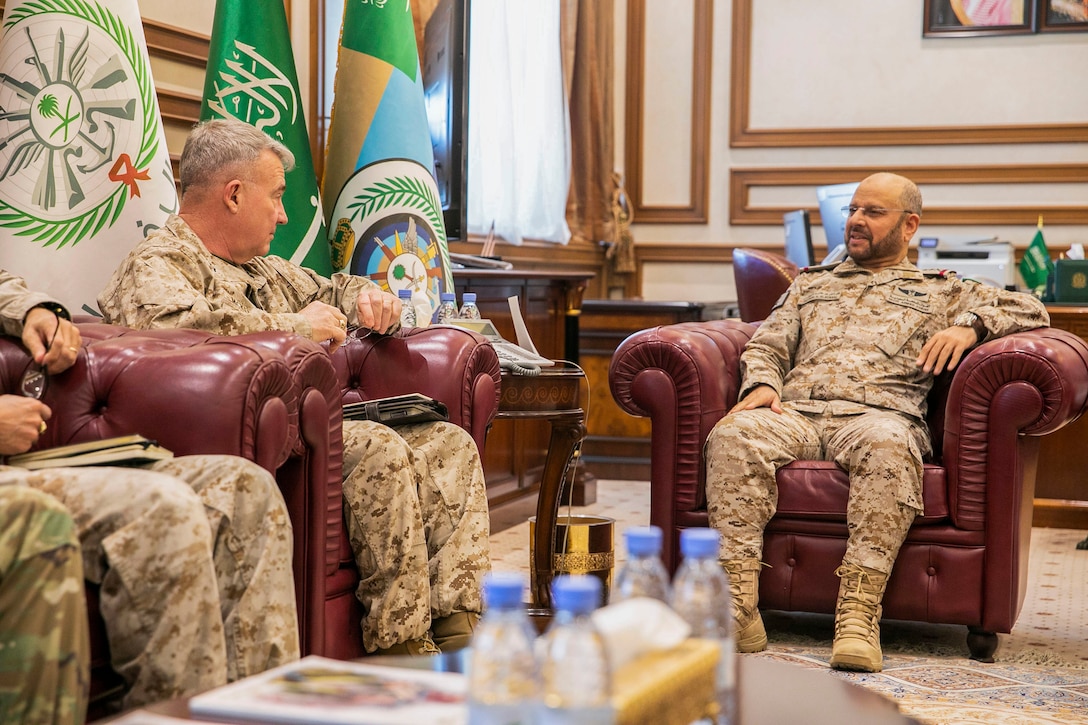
385 219
84 169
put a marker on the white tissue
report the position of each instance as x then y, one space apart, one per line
634 627
1075 252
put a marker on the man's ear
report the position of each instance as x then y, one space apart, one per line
230 194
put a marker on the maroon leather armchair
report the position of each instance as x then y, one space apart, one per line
760 278
964 561
452 365
191 393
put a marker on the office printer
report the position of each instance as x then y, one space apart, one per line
985 260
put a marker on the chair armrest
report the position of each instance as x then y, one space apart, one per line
1004 395
449 364
684 377
191 396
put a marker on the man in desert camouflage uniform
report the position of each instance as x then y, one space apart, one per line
192 555
44 652
414 496
840 371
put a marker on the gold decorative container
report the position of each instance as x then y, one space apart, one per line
584 544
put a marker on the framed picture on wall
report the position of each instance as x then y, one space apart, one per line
964 18
1060 16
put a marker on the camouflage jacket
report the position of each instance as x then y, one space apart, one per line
15 301
171 280
844 336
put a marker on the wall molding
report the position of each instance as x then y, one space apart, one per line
695 211
741 134
742 181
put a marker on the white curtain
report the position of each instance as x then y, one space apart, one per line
518 129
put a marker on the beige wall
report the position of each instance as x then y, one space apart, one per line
833 63
842 64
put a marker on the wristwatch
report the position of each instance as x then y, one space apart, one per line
970 319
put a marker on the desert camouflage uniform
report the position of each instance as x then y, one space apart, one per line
44 652
840 350
193 559
414 496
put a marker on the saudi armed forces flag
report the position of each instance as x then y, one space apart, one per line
386 222
251 76
84 169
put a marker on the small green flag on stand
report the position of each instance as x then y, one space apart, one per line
1036 266
251 76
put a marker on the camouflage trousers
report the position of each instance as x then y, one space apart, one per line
193 560
417 519
881 451
44 652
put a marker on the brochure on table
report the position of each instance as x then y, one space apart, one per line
321 690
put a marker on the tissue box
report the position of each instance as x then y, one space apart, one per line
1071 281
670 687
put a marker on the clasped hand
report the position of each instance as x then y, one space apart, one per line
378 311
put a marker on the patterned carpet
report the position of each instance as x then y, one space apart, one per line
1041 670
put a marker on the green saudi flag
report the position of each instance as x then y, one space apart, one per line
251 76
1036 266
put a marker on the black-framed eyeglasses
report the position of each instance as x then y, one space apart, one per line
36 378
870 212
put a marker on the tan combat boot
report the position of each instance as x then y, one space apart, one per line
455 631
857 619
748 631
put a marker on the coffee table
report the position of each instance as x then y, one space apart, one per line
771 692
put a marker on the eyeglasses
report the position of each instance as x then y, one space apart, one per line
36 378
870 212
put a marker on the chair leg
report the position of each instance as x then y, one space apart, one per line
981 644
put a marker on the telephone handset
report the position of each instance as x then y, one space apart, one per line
512 357
518 360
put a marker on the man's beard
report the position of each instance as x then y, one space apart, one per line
879 247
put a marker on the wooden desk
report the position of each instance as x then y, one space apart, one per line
1061 484
517 449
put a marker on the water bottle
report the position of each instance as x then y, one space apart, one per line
575 673
700 595
447 309
643 574
407 309
469 310
503 678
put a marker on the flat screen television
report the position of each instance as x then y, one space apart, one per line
798 238
832 199
445 87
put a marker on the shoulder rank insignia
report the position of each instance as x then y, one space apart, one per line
818 268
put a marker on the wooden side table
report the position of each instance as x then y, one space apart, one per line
553 396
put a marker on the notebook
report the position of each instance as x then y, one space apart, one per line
398 410
129 450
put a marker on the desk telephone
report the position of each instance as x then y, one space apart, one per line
516 359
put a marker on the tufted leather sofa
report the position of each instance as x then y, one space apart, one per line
192 392
964 561
449 364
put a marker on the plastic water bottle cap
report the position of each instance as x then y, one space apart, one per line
469 298
502 590
404 294
699 543
643 540
447 297
578 593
